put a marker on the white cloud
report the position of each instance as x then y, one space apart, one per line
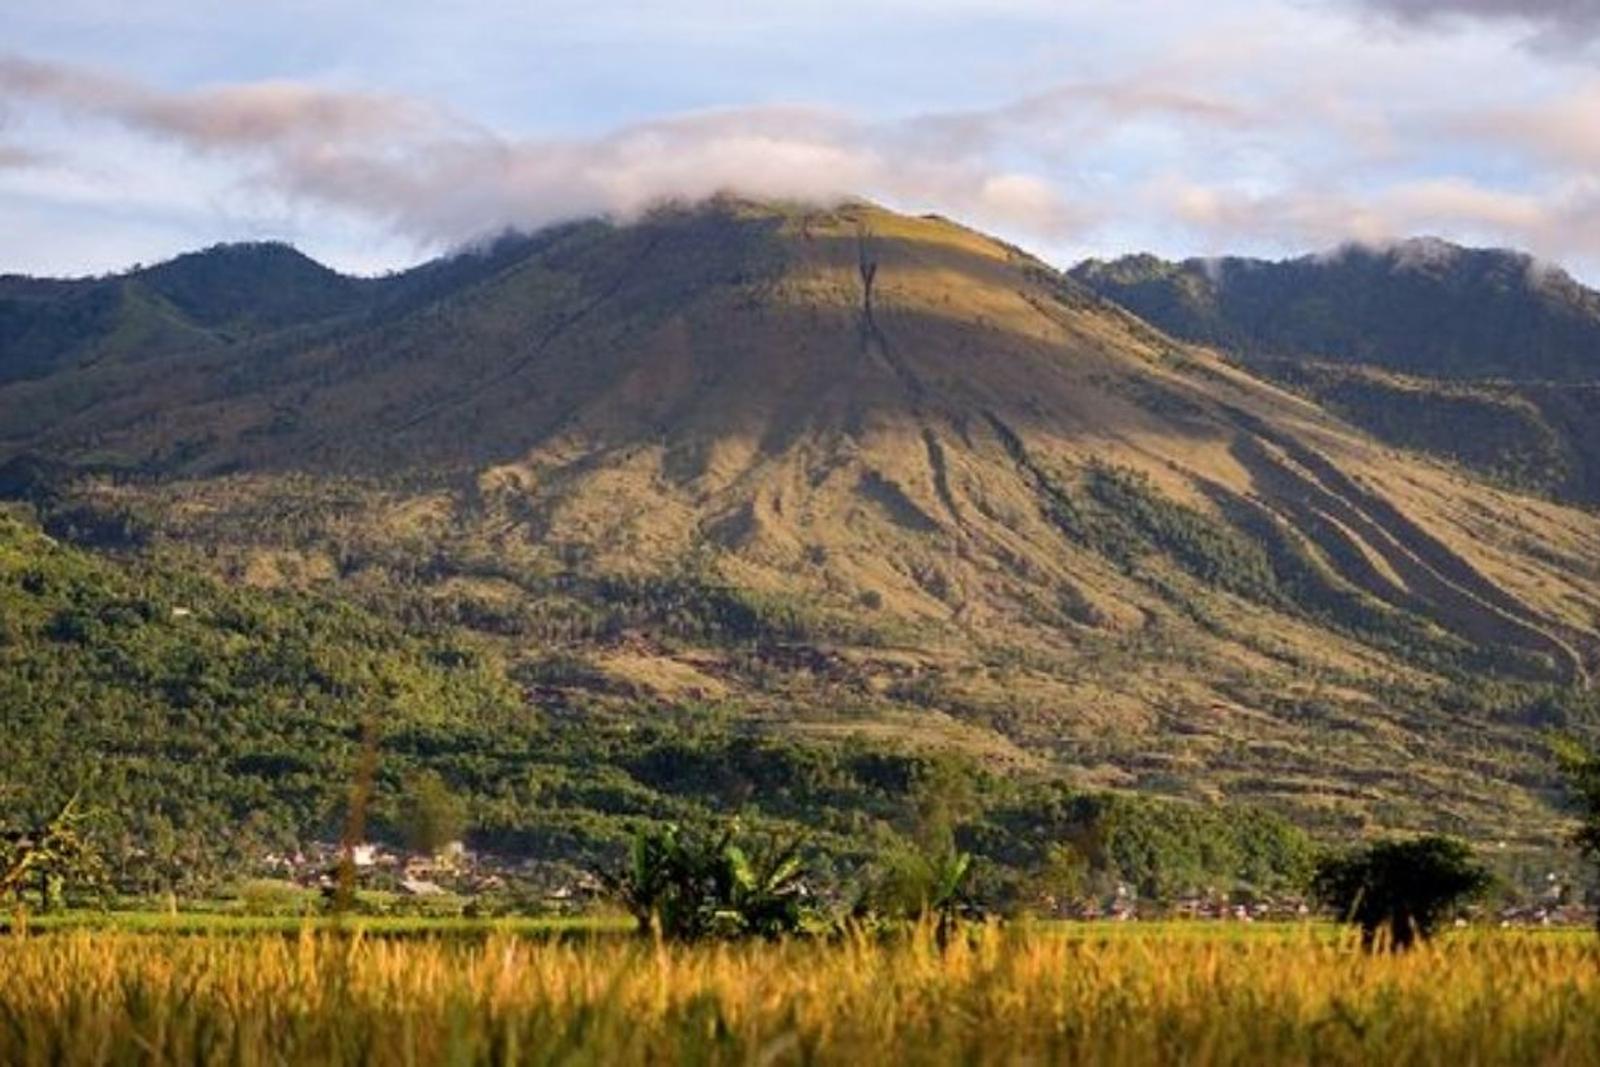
1563 223
441 179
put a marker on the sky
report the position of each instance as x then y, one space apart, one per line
377 134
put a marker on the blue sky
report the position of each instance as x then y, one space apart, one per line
376 134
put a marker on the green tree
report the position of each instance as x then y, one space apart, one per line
431 816
920 884
944 794
52 859
932 876
1401 889
1061 878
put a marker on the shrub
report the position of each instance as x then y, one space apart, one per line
270 896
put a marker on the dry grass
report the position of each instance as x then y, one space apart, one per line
1197 995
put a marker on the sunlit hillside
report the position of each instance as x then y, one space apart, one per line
846 474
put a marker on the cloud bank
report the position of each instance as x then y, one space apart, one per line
440 179
15 156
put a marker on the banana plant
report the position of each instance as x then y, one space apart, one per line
644 884
767 892
688 886
947 895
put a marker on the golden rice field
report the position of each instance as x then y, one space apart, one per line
1162 995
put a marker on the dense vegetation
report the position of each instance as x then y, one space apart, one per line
1421 307
209 726
210 723
1537 437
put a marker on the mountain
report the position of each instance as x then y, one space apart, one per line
836 478
1486 357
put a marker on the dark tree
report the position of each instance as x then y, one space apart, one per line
1399 888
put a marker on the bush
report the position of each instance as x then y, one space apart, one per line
272 897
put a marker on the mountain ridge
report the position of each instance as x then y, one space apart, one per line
1414 342
1549 324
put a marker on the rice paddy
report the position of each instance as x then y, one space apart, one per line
1140 994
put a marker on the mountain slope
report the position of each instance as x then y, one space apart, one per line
1482 356
851 473
209 727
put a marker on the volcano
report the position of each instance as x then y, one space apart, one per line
847 472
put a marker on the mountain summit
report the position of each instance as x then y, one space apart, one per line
949 493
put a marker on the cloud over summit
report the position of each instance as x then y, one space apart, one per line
440 179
